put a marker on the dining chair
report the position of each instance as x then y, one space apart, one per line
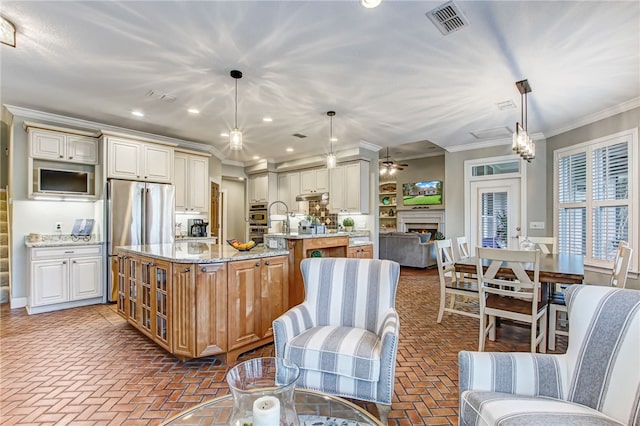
450 285
344 335
462 245
618 278
506 291
547 245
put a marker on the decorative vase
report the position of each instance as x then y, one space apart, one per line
263 392
348 228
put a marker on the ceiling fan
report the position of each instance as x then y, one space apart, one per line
388 166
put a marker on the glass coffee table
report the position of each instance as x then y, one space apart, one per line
313 408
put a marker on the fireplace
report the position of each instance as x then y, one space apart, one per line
421 221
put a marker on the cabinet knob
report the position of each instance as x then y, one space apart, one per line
74 261
146 177
70 158
187 269
257 263
266 262
61 156
64 262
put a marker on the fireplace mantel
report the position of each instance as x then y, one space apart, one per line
431 217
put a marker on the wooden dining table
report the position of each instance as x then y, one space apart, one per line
554 269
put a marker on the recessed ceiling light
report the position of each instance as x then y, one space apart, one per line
240 178
333 139
267 119
137 113
289 149
224 135
256 157
370 4
193 111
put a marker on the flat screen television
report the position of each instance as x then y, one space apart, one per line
427 193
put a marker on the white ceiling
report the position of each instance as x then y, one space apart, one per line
390 75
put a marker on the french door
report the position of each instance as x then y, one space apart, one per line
495 213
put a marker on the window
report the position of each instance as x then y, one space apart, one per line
594 208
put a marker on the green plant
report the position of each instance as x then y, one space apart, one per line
438 236
348 221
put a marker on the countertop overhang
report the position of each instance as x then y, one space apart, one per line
197 252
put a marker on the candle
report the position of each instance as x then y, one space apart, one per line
266 411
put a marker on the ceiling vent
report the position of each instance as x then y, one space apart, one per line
161 96
497 133
448 18
505 105
299 135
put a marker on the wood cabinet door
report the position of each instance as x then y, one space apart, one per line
85 278
123 159
198 172
133 270
119 277
211 309
157 163
81 149
180 168
49 282
274 292
47 145
243 293
182 315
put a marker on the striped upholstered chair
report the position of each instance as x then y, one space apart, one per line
344 336
597 381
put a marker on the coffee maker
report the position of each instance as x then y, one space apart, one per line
197 227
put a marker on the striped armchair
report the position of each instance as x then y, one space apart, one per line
344 336
597 381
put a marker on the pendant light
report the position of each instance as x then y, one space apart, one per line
235 136
331 158
522 143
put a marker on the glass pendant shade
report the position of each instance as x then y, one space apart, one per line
7 32
235 140
522 143
331 161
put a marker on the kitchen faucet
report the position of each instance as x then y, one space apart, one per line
287 224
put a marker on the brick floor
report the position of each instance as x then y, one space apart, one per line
87 366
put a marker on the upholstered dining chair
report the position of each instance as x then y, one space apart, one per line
450 286
596 382
344 335
506 291
618 278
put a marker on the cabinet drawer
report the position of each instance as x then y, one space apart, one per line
66 251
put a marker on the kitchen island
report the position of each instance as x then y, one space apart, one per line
302 246
199 299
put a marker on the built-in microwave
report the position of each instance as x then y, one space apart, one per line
64 181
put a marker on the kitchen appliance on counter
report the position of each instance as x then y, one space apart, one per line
197 227
138 213
314 228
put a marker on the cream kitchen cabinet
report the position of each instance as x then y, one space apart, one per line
64 277
191 179
288 189
263 187
142 161
315 180
350 188
61 146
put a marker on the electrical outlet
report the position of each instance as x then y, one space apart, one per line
58 225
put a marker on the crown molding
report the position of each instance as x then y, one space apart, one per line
233 163
107 128
369 146
490 143
597 116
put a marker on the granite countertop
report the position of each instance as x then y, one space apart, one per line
62 241
198 252
359 243
296 236
186 238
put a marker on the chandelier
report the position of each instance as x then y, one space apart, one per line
522 143
235 136
331 158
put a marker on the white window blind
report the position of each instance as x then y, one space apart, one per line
594 210
494 219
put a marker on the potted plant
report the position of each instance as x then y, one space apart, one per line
348 224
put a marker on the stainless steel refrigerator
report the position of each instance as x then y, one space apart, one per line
138 213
